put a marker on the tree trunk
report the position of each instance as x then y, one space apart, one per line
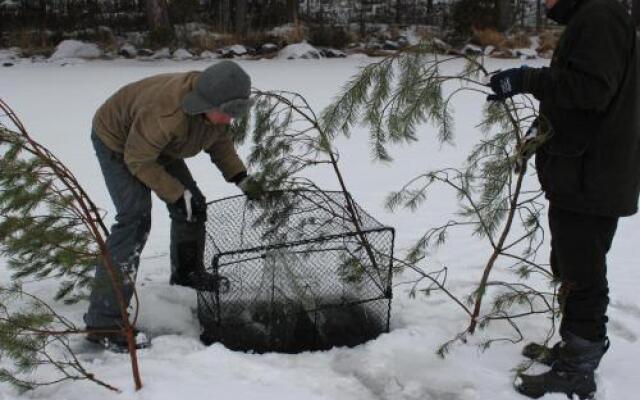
158 14
225 15
363 23
503 15
292 9
159 25
636 12
539 9
241 17
42 5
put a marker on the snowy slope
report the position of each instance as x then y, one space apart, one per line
57 104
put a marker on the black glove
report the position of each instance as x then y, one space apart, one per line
507 83
251 188
192 206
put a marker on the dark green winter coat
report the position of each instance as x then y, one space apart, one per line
589 96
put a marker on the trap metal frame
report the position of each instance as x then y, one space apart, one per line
302 275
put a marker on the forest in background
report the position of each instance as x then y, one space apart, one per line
41 24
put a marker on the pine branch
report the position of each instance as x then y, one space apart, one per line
396 96
35 335
44 183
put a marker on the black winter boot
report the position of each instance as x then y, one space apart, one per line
569 383
201 280
571 373
189 271
542 354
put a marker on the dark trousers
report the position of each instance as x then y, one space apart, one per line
132 200
579 247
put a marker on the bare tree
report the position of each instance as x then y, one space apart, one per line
539 9
158 20
158 14
292 8
241 17
504 14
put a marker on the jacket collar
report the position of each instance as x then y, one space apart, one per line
564 10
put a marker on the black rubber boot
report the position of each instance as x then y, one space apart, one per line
542 354
114 340
189 271
572 373
201 280
569 383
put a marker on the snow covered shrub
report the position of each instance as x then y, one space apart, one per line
76 49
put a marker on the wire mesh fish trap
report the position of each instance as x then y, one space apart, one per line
301 275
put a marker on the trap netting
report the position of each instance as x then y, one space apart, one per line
300 275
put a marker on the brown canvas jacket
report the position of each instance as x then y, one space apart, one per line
144 121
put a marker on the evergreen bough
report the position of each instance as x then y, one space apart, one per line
42 231
49 229
288 141
394 98
34 335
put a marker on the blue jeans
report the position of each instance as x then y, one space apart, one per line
132 200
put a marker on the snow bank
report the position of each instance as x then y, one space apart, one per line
208 54
236 50
9 57
526 53
162 53
299 50
11 54
76 49
182 54
333 53
128 50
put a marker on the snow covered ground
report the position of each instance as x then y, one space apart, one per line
57 104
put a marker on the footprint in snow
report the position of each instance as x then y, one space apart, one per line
627 308
618 329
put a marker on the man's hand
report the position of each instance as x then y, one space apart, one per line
251 188
507 83
192 207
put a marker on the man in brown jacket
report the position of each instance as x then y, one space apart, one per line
141 136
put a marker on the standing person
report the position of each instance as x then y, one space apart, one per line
141 136
590 172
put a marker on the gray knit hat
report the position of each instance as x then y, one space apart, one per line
225 86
